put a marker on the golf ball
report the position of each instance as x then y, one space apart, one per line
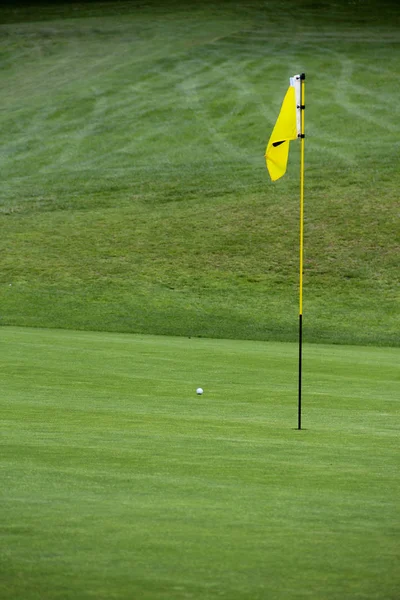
199 391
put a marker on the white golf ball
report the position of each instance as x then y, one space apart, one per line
199 391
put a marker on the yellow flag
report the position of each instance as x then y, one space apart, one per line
287 127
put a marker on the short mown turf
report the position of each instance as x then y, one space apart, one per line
118 481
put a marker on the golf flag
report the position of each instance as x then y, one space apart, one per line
290 126
287 127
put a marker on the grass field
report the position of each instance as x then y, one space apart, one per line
134 192
135 201
119 482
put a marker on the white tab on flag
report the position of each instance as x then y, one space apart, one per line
295 82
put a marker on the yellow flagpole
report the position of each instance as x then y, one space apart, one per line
302 136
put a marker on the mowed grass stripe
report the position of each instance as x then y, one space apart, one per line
135 195
120 481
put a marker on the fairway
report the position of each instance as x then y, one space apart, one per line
120 482
135 196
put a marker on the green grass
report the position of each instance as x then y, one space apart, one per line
135 199
134 193
119 482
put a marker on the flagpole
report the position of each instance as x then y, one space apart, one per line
302 135
290 126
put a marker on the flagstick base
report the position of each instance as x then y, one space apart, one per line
300 367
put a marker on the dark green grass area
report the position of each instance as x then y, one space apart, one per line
119 482
134 193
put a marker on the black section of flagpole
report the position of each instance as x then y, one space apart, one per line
300 367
